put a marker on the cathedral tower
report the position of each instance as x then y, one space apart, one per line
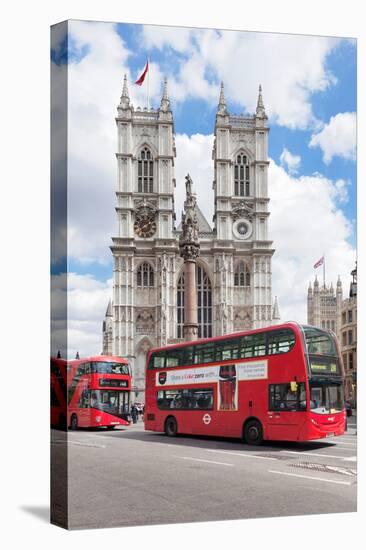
144 251
240 157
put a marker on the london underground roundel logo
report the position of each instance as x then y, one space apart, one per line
162 377
206 419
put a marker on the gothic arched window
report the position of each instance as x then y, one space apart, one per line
242 275
145 276
241 176
145 177
204 304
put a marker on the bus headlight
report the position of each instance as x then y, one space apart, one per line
98 418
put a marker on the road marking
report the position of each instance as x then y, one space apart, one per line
310 477
244 455
80 443
350 458
203 460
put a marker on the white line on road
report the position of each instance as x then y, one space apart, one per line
349 458
310 477
244 455
203 460
80 443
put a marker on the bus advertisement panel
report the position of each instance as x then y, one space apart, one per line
278 383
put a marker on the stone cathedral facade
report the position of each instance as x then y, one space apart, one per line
233 271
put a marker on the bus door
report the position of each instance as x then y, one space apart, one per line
84 410
285 403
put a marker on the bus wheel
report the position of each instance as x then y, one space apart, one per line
171 426
253 432
74 422
110 427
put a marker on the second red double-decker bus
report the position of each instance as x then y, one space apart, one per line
98 392
277 383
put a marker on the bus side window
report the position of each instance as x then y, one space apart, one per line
280 341
174 358
204 353
226 350
157 360
187 355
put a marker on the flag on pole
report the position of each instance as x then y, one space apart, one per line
319 262
141 78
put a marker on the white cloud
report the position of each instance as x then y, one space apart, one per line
337 138
177 38
306 222
291 161
95 86
87 300
290 68
194 156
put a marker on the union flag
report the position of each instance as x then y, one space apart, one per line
319 262
141 78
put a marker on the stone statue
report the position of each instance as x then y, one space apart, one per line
189 183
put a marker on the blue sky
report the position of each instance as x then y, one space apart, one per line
309 91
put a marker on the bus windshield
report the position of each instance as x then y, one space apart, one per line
326 398
322 351
109 401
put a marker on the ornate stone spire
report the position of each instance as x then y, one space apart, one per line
188 240
310 290
125 98
276 311
189 248
109 312
165 102
221 108
260 112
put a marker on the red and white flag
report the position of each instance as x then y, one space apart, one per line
141 78
319 262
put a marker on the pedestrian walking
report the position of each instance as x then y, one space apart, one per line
134 414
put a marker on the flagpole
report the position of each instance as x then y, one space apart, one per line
148 84
324 271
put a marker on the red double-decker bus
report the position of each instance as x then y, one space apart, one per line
284 382
58 392
97 392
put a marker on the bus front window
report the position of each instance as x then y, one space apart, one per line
110 401
326 398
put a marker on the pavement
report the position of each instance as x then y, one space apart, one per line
131 477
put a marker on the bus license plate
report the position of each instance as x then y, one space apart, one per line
330 435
